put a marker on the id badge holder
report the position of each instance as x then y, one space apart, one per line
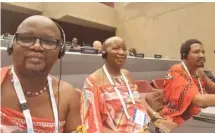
139 117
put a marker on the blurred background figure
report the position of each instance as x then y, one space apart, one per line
68 45
210 75
132 52
6 39
75 44
97 45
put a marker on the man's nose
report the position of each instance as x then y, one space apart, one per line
201 54
36 46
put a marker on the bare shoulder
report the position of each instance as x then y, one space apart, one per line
125 71
127 74
97 76
66 89
70 104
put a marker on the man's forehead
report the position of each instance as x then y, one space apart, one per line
196 46
113 41
39 25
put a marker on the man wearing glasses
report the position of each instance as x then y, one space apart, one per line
31 99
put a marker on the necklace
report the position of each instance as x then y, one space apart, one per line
28 93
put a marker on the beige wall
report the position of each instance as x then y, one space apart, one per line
92 14
162 27
91 11
23 7
32 5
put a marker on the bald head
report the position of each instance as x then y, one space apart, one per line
111 41
36 48
115 50
40 26
97 45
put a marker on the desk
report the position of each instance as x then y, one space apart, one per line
195 126
76 66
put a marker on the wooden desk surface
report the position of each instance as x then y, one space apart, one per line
195 126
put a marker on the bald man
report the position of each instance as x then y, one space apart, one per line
32 99
97 45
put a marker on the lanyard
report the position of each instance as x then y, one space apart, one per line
118 92
200 84
23 102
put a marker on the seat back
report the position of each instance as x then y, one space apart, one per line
158 83
143 85
155 100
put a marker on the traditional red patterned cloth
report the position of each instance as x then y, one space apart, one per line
14 121
101 106
179 91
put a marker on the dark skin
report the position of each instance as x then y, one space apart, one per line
115 60
32 66
195 58
194 62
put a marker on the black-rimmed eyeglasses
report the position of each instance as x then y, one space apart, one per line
27 40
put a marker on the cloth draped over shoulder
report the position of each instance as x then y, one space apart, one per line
101 106
179 90
14 121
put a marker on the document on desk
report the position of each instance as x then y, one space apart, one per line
209 110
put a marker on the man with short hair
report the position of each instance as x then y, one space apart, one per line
187 88
75 44
31 99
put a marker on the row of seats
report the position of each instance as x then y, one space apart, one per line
153 92
148 86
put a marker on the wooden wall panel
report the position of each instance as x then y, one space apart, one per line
10 20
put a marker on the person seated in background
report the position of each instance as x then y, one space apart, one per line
132 52
68 45
75 44
97 45
210 75
187 88
31 99
110 101
6 39
6 36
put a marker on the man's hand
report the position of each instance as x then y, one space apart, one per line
156 115
165 125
